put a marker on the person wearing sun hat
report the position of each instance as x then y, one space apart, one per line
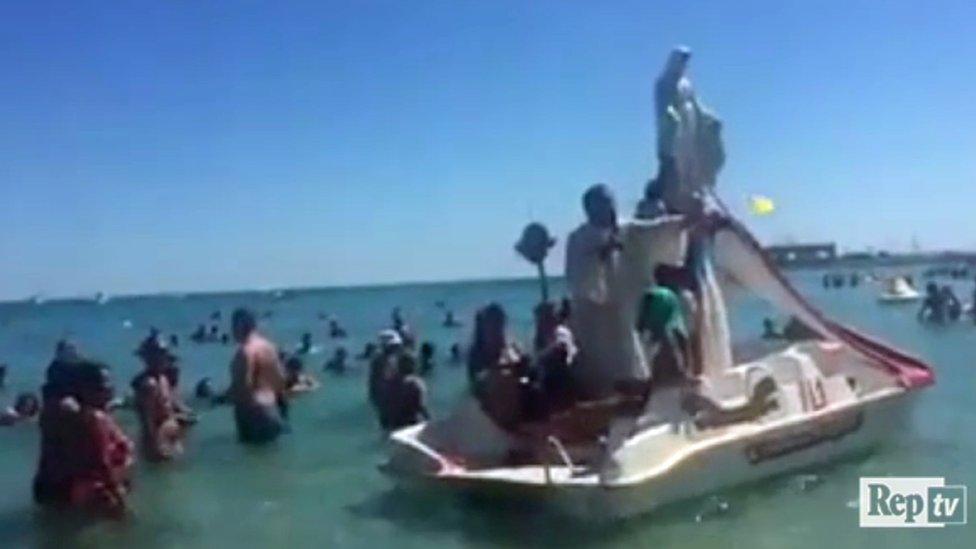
395 391
390 349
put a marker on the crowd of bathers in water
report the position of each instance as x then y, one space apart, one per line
86 457
839 280
941 305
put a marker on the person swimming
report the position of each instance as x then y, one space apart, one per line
161 418
456 355
369 350
426 359
337 364
336 331
174 341
401 327
66 357
933 308
85 457
390 352
199 335
953 306
204 389
297 381
450 321
258 389
972 305
406 399
26 407
305 347
395 391
3 374
769 330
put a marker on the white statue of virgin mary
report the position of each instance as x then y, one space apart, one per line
690 146
690 154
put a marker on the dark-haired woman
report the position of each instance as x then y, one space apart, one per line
85 456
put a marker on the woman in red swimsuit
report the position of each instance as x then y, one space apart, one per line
85 456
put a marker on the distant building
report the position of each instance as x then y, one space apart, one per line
862 256
803 254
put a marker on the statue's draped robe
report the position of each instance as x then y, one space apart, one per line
689 139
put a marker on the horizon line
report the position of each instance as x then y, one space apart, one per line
86 297
921 255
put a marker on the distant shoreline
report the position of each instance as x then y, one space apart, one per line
882 259
288 291
848 261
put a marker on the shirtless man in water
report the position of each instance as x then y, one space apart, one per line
257 385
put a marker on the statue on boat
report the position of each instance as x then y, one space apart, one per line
631 439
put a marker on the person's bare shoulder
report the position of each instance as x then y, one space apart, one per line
262 351
253 348
269 350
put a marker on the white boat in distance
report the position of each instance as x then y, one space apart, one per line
839 394
899 290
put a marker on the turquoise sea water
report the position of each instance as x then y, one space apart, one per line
319 486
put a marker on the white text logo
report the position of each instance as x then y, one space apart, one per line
910 502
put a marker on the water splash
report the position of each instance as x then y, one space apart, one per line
806 483
713 507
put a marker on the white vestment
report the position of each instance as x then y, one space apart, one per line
606 291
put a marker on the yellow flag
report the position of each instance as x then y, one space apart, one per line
761 205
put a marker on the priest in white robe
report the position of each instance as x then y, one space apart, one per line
608 267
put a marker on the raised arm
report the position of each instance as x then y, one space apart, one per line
649 243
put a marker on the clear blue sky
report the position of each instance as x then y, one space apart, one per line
182 145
